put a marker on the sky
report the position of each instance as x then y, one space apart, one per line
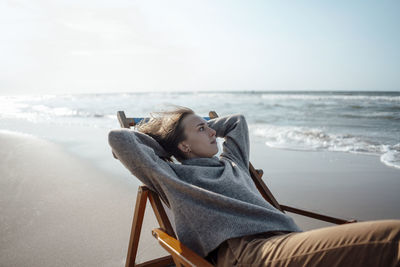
92 46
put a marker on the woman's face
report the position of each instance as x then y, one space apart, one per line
200 139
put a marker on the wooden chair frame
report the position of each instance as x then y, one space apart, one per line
180 254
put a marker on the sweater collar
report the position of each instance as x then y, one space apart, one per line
214 161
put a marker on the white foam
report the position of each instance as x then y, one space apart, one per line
314 139
392 157
304 138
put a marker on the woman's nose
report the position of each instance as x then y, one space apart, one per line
212 132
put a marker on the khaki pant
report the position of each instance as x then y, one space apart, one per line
372 243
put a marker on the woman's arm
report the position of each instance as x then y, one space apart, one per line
236 133
140 154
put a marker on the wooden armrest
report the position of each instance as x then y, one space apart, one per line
179 252
316 215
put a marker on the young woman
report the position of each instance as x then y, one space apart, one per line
218 211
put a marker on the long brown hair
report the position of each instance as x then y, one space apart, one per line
167 129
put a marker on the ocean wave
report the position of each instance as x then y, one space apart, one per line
392 157
374 115
41 111
313 139
327 97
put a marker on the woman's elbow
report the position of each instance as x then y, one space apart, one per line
116 138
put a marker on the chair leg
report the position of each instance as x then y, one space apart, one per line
140 206
160 214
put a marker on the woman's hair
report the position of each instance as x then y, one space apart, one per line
167 129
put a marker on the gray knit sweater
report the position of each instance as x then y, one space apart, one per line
212 199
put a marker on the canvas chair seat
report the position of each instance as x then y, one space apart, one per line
180 255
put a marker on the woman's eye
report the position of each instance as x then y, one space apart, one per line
201 129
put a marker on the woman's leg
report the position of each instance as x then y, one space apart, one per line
371 243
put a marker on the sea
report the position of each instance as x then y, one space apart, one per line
344 122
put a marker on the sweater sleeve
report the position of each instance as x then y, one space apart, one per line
141 155
236 134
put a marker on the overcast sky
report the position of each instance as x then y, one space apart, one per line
126 46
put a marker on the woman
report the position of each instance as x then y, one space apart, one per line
218 211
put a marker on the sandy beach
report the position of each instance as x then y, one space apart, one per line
58 209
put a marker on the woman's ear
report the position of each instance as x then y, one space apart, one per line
184 147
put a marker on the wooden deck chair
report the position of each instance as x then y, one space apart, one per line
180 254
